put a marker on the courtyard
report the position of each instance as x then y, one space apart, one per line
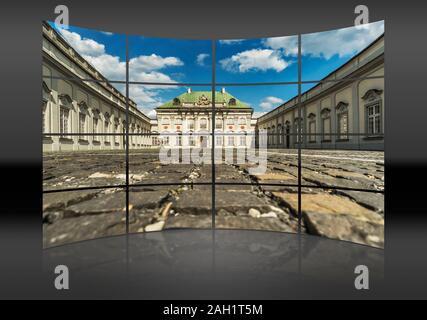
170 196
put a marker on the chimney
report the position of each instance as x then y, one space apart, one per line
223 90
189 90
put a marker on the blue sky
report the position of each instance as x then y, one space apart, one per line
237 61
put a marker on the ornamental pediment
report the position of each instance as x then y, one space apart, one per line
65 99
372 94
203 101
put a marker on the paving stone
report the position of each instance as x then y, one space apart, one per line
103 203
60 200
146 199
326 203
345 227
374 201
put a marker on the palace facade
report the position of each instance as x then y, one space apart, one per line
75 111
347 114
187 121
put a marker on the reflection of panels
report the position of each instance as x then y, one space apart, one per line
341 53
82 169
82 215
339 214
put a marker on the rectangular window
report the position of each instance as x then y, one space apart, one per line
374 119
106 128
343 125
218 140
326 129
179 140
82 124
44 117
116 130
218 123
95 128
191 124
203 124
192 141
63 121
242 141
312 131
231 141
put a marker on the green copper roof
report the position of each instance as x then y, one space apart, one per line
201 97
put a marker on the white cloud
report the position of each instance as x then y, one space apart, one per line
152 114
287 45
153 62
142 69
231 41
84 46
255 59
258 114
269 102
200 60
107 33
342 42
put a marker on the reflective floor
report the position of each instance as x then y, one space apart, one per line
221 264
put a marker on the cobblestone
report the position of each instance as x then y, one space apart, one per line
339 214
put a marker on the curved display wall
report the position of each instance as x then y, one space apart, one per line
281 134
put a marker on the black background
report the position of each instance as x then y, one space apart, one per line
406 114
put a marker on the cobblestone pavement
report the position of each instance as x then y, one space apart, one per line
265 202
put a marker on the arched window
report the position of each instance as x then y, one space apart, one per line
273 135
165 120
45 112
65 105
342 120
190 124
95 124
242 121
326 124
280 133
232 102
107 127
288 133
312 127
176 102
203 124
297 129
83 115
218 123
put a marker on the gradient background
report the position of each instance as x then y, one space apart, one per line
406 114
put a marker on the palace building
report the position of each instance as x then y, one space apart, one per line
81 107
188 120
347 114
